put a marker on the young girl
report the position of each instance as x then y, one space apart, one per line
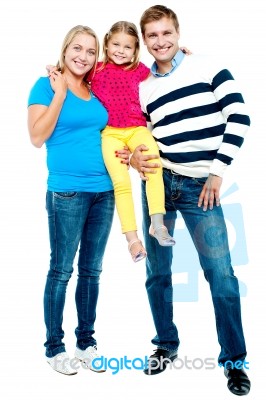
116 84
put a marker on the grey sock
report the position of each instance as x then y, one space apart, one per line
156 221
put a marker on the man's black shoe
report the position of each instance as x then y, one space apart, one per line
238 381
158 361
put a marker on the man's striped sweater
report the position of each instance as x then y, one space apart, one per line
198 116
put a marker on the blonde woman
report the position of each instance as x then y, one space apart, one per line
64 115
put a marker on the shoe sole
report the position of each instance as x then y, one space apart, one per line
63 373
245 384
163 244
91 369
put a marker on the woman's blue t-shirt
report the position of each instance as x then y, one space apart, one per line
74 155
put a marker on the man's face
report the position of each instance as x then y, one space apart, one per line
161 39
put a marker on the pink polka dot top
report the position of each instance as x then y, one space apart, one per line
118 90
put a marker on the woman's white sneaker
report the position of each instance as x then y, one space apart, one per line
90 359
61 363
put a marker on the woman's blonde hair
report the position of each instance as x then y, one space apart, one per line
130 29
70 36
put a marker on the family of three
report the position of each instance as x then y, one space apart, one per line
93 117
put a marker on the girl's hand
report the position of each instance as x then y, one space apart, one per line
50 68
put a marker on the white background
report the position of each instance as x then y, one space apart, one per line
31 37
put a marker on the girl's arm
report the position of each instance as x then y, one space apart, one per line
42 119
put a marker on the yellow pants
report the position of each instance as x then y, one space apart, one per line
114 139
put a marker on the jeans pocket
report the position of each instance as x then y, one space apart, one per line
65 195
200 181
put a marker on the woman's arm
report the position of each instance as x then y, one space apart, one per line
42 119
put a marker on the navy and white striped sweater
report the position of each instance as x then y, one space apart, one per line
198 116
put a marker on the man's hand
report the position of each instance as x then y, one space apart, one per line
140 162
210 192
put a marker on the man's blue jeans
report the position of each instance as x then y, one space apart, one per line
208 232
75 219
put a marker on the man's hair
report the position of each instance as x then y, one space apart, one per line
155 13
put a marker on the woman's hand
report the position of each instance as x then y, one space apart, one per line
186 51
124 154
58 82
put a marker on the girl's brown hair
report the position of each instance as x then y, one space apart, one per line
130 29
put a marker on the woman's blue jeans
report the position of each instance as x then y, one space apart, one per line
208 232
76 219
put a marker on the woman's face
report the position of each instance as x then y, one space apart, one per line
80 55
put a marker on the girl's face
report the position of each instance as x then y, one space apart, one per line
121 48
80 55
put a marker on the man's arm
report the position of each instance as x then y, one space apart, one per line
234 110
237 121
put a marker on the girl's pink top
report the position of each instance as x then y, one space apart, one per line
118 90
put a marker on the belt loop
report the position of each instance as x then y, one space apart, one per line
174 173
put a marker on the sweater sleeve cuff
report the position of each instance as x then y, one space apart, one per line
218 168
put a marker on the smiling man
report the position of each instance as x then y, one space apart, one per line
199 120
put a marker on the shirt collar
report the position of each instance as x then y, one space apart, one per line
176 61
